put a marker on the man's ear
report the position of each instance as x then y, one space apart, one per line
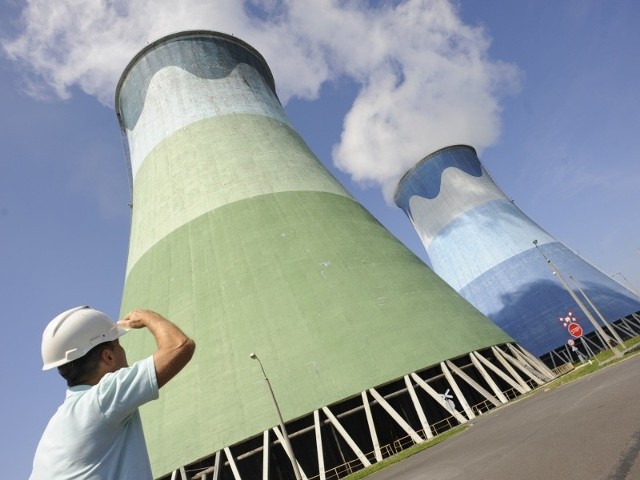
107 356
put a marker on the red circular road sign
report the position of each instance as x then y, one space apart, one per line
575 330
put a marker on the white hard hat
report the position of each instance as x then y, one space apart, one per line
73 333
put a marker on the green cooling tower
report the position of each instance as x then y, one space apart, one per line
243 238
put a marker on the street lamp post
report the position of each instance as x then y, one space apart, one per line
595 309
285 436
587 313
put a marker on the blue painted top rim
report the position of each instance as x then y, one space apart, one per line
181 36
418 164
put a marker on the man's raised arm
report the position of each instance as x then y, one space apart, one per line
175 349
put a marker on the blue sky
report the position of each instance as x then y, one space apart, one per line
550 95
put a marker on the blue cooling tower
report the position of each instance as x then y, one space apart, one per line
480 243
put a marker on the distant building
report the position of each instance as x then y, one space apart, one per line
243 238
481 244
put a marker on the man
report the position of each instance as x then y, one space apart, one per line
96 434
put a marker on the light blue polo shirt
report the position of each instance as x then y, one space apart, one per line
96 434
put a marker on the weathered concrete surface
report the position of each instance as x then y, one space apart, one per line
589 429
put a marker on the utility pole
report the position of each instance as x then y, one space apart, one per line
604 321
587 313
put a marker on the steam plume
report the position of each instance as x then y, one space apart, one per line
425 78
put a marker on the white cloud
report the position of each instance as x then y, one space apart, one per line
426 80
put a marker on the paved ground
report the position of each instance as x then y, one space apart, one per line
589 429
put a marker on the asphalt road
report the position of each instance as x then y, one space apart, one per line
589 429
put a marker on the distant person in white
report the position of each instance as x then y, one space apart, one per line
96 434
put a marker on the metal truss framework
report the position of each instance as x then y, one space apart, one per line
479 382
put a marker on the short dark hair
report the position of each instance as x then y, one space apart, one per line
84 368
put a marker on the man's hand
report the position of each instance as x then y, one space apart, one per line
175 349
138 319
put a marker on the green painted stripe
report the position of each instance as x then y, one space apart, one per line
329 299
214 162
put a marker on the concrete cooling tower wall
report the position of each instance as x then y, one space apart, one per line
481 244
243 238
